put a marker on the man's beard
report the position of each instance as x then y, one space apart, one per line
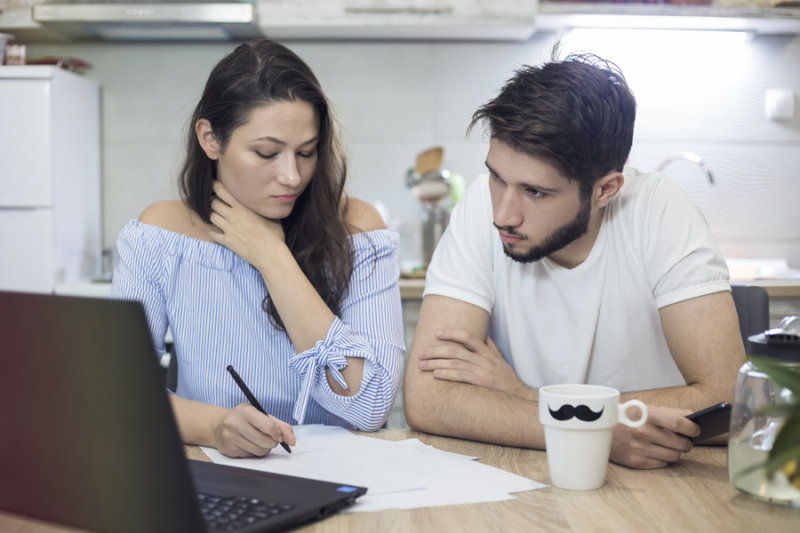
558 239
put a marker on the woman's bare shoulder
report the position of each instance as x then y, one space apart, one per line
177 217
361 216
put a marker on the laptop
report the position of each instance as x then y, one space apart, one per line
89 440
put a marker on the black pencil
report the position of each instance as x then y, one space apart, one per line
251 398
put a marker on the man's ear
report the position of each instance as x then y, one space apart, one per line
607 188
207 139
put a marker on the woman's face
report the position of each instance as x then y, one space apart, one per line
269 161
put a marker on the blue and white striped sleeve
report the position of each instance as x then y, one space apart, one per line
136 277
370 326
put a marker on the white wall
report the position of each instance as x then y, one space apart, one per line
395 99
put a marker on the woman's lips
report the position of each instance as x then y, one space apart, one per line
286 198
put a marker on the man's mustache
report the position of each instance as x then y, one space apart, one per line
508 230
580 412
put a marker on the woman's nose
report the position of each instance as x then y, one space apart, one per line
288 173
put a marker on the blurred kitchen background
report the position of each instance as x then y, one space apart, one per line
701 94
717 109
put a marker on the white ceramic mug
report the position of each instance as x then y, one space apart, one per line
578 425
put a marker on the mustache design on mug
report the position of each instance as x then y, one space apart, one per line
581 412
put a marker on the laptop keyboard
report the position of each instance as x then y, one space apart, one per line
229 513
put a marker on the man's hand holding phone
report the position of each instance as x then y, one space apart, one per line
713 421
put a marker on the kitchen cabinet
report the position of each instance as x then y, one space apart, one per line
16 13
506 20
285 19
458 19
16 19
777 20
49 178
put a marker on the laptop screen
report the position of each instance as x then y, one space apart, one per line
87 424
89 438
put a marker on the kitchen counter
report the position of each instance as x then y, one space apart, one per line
411 288
776 288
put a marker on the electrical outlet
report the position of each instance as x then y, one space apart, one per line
779 104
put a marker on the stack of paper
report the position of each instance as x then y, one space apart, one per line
399 475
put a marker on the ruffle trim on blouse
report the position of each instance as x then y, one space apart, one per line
163 241
330 352
379 240
213 255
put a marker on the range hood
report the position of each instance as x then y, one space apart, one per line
437 20
471 20
182 21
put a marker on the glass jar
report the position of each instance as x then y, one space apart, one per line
753 429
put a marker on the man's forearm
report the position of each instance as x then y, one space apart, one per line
692 397
471 412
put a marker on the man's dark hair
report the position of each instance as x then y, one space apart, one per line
577 114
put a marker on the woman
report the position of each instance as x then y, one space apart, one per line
267 266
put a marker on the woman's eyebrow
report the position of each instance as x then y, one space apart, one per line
283 143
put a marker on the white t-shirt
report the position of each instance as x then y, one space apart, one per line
596 323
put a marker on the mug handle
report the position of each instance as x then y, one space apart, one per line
623 413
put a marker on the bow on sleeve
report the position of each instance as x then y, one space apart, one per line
330 352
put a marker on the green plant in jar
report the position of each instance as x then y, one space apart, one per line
785 453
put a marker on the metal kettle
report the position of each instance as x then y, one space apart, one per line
430 184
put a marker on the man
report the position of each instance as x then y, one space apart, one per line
560 266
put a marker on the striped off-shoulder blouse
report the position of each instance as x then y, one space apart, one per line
210 299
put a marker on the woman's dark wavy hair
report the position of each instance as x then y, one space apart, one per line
578 114
260 73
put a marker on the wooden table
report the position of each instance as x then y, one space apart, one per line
691 495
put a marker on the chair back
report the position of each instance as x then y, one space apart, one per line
752 306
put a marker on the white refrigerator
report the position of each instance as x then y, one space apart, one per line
50 222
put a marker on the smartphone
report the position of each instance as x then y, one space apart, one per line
713 421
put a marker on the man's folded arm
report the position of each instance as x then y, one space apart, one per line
459 409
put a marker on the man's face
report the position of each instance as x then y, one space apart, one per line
536 210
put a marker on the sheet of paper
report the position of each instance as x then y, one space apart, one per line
399 475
